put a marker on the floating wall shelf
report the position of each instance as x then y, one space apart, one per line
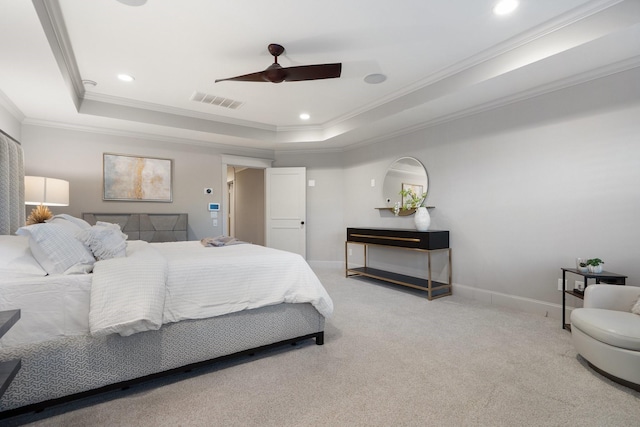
404 212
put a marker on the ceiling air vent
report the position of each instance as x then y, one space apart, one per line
220 101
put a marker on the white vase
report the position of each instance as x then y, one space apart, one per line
422 219
595 269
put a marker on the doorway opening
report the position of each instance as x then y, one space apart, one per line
246 195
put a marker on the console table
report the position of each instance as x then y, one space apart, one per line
422 241
605 277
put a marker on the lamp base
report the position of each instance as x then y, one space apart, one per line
39 214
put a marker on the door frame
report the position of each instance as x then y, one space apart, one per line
231 160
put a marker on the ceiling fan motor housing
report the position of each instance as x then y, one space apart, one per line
274 73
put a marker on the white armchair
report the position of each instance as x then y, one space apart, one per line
607 334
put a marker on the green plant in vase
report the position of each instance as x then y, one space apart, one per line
595 265
411 199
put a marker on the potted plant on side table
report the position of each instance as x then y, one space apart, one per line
595 265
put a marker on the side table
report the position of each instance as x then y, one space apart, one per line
605 276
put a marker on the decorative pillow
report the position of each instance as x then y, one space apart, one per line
105 240
16 259
636 308
56 248
64 218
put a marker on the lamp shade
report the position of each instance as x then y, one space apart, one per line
39 190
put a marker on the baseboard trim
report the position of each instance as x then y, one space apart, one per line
528 305
326 264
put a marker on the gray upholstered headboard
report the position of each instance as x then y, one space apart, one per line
149 227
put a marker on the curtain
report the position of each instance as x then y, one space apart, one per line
11 185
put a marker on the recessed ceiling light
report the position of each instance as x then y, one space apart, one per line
505 7
374 79
133 2
126 77
304 116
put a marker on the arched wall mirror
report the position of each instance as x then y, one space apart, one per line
406 173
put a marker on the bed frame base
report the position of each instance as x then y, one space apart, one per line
41 406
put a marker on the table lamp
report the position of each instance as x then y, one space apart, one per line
44 192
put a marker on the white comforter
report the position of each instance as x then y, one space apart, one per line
168 282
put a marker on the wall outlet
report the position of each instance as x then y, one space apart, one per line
350 252
560 284
579 285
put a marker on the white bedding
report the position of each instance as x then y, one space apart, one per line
211 281
51 307
201 282
128 293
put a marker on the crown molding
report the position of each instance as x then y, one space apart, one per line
582 12
126 102
541 90
469 71
261 152
50 16
10 107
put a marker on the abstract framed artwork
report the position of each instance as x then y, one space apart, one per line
137 179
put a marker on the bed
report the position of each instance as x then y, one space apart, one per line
141 309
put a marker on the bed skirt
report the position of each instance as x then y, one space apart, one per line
57 369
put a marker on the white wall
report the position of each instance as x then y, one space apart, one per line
77 157
523 189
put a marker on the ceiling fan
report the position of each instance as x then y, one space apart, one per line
275 73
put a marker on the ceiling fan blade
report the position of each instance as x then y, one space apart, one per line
253 77
313 72
275 73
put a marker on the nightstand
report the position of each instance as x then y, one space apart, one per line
605 277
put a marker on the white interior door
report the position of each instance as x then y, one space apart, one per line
286 209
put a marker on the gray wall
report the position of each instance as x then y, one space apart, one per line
523 189
77 157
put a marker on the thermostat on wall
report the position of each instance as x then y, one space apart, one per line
214 207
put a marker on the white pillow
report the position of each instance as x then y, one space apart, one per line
64 218
16 259
636 308
57 250
105 240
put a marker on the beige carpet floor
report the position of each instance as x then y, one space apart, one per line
391 358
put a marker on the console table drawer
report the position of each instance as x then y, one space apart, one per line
428 240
